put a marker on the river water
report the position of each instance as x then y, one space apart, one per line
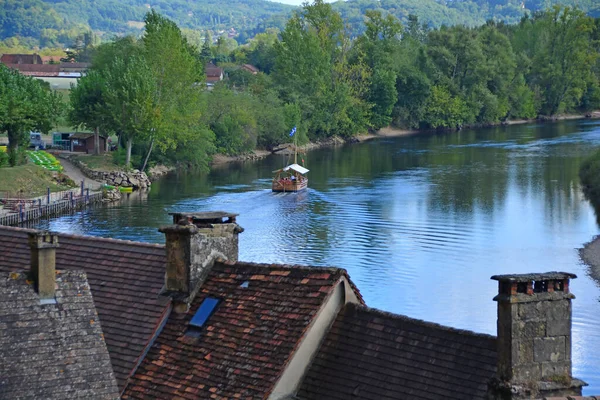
419 222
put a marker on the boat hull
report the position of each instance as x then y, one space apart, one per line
282 186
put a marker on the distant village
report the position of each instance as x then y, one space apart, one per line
61 74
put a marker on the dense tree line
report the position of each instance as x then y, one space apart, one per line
317 77
415 77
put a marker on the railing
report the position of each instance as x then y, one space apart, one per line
27 209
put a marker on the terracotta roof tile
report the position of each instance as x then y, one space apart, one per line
125 278
246 344
370 354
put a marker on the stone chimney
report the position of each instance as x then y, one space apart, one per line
193 244
43 263
534 337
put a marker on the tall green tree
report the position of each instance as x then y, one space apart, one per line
312 70
178 72
563 62
26 104
88 105
131 104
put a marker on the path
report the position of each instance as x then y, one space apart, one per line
75 173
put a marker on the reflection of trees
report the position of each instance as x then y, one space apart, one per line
468 176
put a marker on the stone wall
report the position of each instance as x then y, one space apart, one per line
135 178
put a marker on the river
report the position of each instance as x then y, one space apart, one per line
419 222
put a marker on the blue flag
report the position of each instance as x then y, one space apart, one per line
292 131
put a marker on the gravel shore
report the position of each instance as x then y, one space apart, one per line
590 254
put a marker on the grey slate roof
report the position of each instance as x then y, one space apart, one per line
370 354
125 278
58 350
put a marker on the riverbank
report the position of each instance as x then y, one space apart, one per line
285 148
386 132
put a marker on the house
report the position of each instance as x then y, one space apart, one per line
213 73
188 320
21 59
250 68
84 142
51 341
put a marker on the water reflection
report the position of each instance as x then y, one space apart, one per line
420 222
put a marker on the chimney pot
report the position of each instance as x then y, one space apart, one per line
43 246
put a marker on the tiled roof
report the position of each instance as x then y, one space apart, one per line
74 65
245 345
36 69
57 349
250 68
21 59
370 354
212 71
125 278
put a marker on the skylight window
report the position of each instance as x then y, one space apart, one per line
206 309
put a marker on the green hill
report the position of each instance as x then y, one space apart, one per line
57 23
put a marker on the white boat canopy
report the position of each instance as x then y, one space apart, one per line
295 167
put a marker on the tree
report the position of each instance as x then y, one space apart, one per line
88 105
178 73
562 65
375 47
131 103
26 104
312 70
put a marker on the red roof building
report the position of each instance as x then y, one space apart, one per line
213 74
21 59
39 70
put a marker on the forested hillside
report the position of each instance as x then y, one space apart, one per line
28 24
436 13
56 23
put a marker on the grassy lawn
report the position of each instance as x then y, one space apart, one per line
102 162
29 181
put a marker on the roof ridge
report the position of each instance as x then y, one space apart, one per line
429 324
88 237
284 266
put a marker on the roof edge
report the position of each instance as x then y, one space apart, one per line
400 317
88 237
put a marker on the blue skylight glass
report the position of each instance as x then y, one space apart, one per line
204 312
